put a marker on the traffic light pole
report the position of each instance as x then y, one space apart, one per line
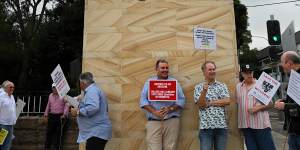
271 17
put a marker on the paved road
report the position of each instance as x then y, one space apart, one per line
279 135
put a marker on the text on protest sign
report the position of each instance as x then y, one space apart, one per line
265 88
60 81
205 38
162 90
294 86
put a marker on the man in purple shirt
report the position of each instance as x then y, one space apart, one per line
57 110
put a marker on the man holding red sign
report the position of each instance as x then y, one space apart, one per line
162 99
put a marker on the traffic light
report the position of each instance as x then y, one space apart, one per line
274 36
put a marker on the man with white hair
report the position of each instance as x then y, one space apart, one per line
290 60
8 116
92 115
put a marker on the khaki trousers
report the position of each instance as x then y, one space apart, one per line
82 146
162 135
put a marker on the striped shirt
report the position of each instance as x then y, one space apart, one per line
259 120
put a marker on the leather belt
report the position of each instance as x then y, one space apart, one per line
153 119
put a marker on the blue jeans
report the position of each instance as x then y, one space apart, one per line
294 141
258 139
210 138
7 143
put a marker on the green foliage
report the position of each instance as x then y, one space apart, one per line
9 55
31 45
243 35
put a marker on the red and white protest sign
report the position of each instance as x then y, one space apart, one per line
162 90
265 88
60 81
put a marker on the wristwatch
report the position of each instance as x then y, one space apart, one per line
171 108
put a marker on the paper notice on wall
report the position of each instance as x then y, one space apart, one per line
205 38
19 107
60 81
294 86
265 88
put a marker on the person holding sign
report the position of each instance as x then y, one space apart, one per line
92 115
163 115
253 117
8 116
211 97
290 60
56 111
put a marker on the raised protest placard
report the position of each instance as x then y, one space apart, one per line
294 86
205 38
162 90
265 88
60 81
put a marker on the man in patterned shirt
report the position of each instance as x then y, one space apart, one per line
212 96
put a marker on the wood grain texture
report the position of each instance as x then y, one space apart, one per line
124 38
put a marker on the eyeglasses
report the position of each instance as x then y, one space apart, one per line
12 87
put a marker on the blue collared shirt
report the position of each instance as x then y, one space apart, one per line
158 105
93 120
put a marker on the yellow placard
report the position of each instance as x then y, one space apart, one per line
3 134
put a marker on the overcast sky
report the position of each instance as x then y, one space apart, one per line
284 13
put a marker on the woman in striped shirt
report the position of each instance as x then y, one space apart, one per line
253 117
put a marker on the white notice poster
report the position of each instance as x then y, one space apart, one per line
265 88
294 86
19 107
72 101
60 81
205 38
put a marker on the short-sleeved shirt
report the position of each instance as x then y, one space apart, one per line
212 117
259 120
157 104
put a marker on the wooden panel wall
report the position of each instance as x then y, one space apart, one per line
124 38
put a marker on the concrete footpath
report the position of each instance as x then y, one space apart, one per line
279 135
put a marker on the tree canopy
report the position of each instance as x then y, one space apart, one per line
243 35
35 38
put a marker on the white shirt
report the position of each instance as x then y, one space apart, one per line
1 90
7 109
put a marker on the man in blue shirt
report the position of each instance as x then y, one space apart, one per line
163 117
92 115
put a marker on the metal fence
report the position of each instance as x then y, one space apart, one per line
35 105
